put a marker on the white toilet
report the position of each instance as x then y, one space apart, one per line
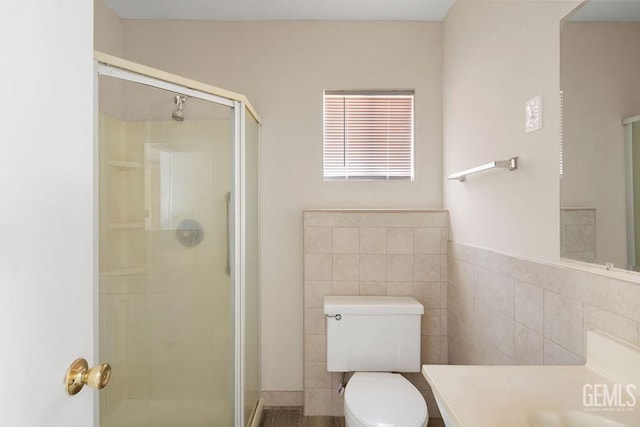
376 336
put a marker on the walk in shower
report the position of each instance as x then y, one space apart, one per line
178 250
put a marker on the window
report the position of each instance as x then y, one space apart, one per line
368 135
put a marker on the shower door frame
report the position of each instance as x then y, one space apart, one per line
631 205
115 67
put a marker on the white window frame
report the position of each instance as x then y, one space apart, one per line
370 161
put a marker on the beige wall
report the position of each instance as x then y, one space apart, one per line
599 77
508 309
497 55
283 68
107 29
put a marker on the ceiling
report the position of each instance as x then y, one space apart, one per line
338 10
608 10
249 10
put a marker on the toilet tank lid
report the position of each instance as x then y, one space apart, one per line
371 305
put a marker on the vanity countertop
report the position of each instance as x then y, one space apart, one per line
549 396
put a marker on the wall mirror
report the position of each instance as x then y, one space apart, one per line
600 153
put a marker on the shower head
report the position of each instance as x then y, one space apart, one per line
178 114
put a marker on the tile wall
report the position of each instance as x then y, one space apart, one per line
372 252
578 233
506 310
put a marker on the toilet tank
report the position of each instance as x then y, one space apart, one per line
367 333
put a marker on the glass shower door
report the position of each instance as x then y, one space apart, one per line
166 296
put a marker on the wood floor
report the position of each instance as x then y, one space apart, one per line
292 417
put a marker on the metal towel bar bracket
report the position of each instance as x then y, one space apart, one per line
510 164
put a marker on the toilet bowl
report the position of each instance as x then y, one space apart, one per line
382 399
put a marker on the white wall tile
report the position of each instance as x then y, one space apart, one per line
430 350
495 356
373 268
282 398
318 267
528 346
561 301
555 354
615 296
503 300
482 319
495 289
426 268
374 219
373 288
314 321
315 291
346 267
310 219
345 219
503 333
315 348
337 404
464 253
443 321
431 322
461 275
373 240
317 401
528 305
569 283
428 240
482 279
429 293
460 304
524 270
612 324
444 287
346 287
318 240
564 322
346 240
444 268
400 240
580 238
419 219
400 289
400 268
316 375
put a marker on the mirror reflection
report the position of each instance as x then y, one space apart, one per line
600 161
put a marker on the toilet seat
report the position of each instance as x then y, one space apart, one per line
376 399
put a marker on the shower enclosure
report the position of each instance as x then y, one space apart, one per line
178 250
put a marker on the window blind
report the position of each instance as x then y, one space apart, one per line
368 135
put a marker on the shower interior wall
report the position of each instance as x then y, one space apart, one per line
158 298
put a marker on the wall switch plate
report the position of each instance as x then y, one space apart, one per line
533 114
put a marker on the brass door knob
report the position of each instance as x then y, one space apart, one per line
79 374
